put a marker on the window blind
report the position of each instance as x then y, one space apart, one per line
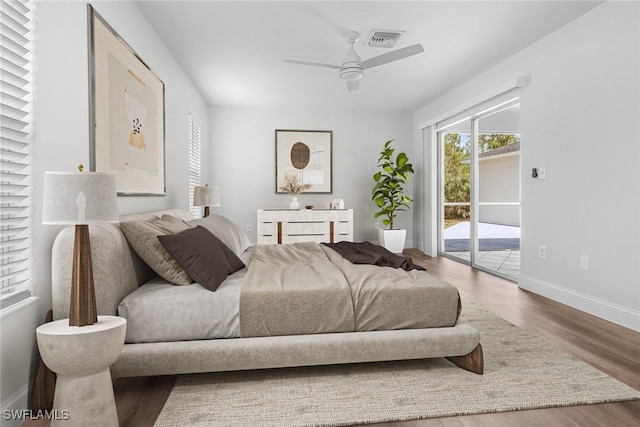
194 162
16 115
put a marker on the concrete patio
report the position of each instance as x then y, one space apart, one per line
501 241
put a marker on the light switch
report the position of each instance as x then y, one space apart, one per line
584 262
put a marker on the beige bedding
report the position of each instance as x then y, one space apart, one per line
386 298
306 288
293 290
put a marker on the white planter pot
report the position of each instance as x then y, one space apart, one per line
392 240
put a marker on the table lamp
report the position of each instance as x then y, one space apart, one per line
206 196
80 198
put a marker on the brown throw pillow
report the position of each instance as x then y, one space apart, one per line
202 255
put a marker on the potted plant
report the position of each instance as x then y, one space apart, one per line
389 196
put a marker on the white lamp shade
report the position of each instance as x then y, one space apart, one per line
206 196
79 198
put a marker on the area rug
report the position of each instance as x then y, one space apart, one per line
521 372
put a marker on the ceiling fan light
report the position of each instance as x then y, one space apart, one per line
351 74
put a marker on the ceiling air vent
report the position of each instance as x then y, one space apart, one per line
384 38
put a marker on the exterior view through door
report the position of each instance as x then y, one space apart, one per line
479 221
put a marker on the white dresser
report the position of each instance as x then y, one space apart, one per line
304 225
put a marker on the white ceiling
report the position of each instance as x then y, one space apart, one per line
233 50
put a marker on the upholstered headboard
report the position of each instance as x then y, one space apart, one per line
117 269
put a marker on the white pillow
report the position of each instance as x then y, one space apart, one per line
225 230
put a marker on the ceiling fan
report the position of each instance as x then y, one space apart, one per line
352 68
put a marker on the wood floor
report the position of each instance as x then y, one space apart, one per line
606 346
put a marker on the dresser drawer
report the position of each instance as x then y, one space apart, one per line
267 228
329 215
343 227
305 228
275 215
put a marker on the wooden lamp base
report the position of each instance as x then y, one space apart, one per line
82 309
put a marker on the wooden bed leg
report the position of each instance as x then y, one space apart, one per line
473 361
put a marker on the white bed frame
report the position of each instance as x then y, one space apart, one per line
118 271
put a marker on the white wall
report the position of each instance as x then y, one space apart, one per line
62 139
242 160
499 178
580 117
15 349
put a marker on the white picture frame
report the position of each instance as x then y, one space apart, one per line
127 113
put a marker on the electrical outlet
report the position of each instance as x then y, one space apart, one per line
542 172
248 227
542 252
377 225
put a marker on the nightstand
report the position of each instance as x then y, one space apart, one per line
81 356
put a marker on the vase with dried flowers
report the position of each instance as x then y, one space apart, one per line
292 186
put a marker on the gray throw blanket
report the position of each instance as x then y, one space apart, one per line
368 253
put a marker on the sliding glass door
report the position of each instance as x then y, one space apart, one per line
496 186
455 144
479 220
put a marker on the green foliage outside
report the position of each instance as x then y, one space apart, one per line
457 167
388 193
457 174
491 141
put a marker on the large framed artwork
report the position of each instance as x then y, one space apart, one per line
127 113
305 155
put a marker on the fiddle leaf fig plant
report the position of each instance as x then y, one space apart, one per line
388 193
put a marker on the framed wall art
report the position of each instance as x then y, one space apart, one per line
127 113
305 155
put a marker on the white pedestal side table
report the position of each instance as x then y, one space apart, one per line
81 356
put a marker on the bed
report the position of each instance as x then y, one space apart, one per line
256 317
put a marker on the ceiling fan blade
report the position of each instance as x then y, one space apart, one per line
353 85
313 64
395 55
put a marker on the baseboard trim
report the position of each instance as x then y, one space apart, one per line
417 245
615 313
19 401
